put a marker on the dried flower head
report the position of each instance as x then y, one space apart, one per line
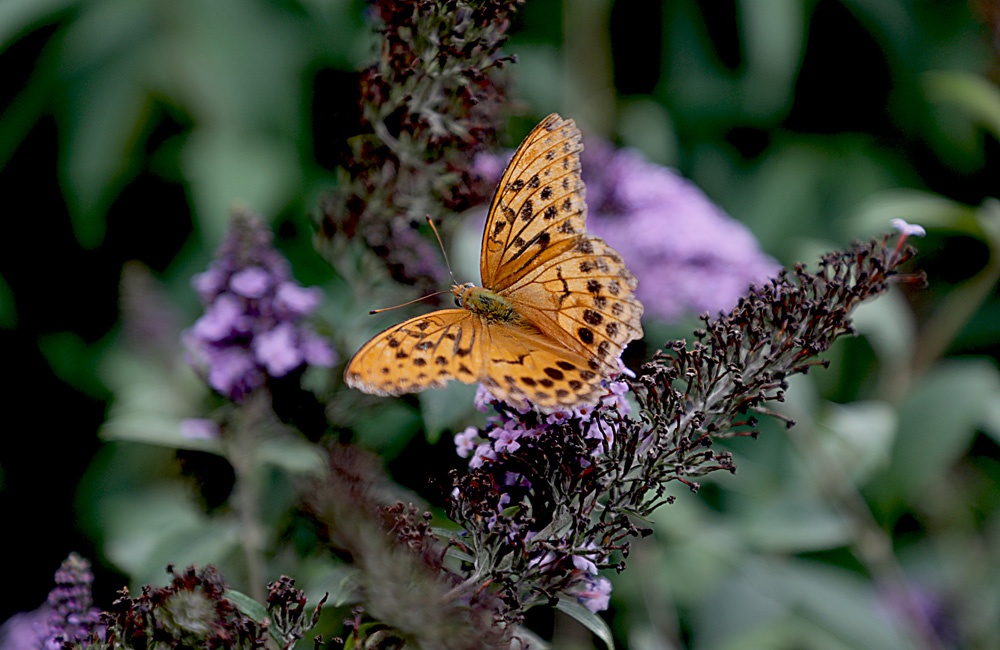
191 612
428 105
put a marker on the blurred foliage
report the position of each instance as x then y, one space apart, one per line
129 127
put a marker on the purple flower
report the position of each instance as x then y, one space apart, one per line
466 441
199 429
688 255
66 618
594 593
907 228
295 300
252 327
251 282
277 350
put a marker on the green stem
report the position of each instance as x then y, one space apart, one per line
241 452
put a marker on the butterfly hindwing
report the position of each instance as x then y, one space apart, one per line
584 300
538 204
422 352
525 367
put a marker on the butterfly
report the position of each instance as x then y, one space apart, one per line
555 309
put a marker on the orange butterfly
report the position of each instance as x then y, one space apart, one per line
556 307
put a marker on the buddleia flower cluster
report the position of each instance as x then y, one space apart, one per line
427 105
254 324
551 500
68 618
690 256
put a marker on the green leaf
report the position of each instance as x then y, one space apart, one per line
795 522
787 603
774 38
146 529
106 112
292 454
246 604
8 308
153 429
890 328
349 590
937 422
74 361
446 408
18 16
930 210
859 436
976 95
227 168
646 125
991 416
589 619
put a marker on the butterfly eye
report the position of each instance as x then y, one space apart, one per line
458 301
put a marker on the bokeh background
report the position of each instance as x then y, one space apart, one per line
129 128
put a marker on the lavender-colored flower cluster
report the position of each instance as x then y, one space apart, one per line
688 255
503 431
252 327
561 567
68 616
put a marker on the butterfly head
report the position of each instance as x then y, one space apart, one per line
461 292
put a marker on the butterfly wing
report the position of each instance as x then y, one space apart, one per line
422 352
573 286
538 204
584 300
528 367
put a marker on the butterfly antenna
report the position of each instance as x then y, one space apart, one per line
430 295
447 263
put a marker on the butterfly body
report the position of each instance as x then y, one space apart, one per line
555 309
490 305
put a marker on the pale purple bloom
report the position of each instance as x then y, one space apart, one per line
251 282
26 630
484 399
466 441
296 300
688 255
907 228
222 318
208 284
67 617
584 564
595 593
315 349
277 350
252 327
506 440
199 429
233 372
483 453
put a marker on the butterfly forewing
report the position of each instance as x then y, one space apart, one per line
422 352
538 204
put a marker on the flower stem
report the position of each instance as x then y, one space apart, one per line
241 452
